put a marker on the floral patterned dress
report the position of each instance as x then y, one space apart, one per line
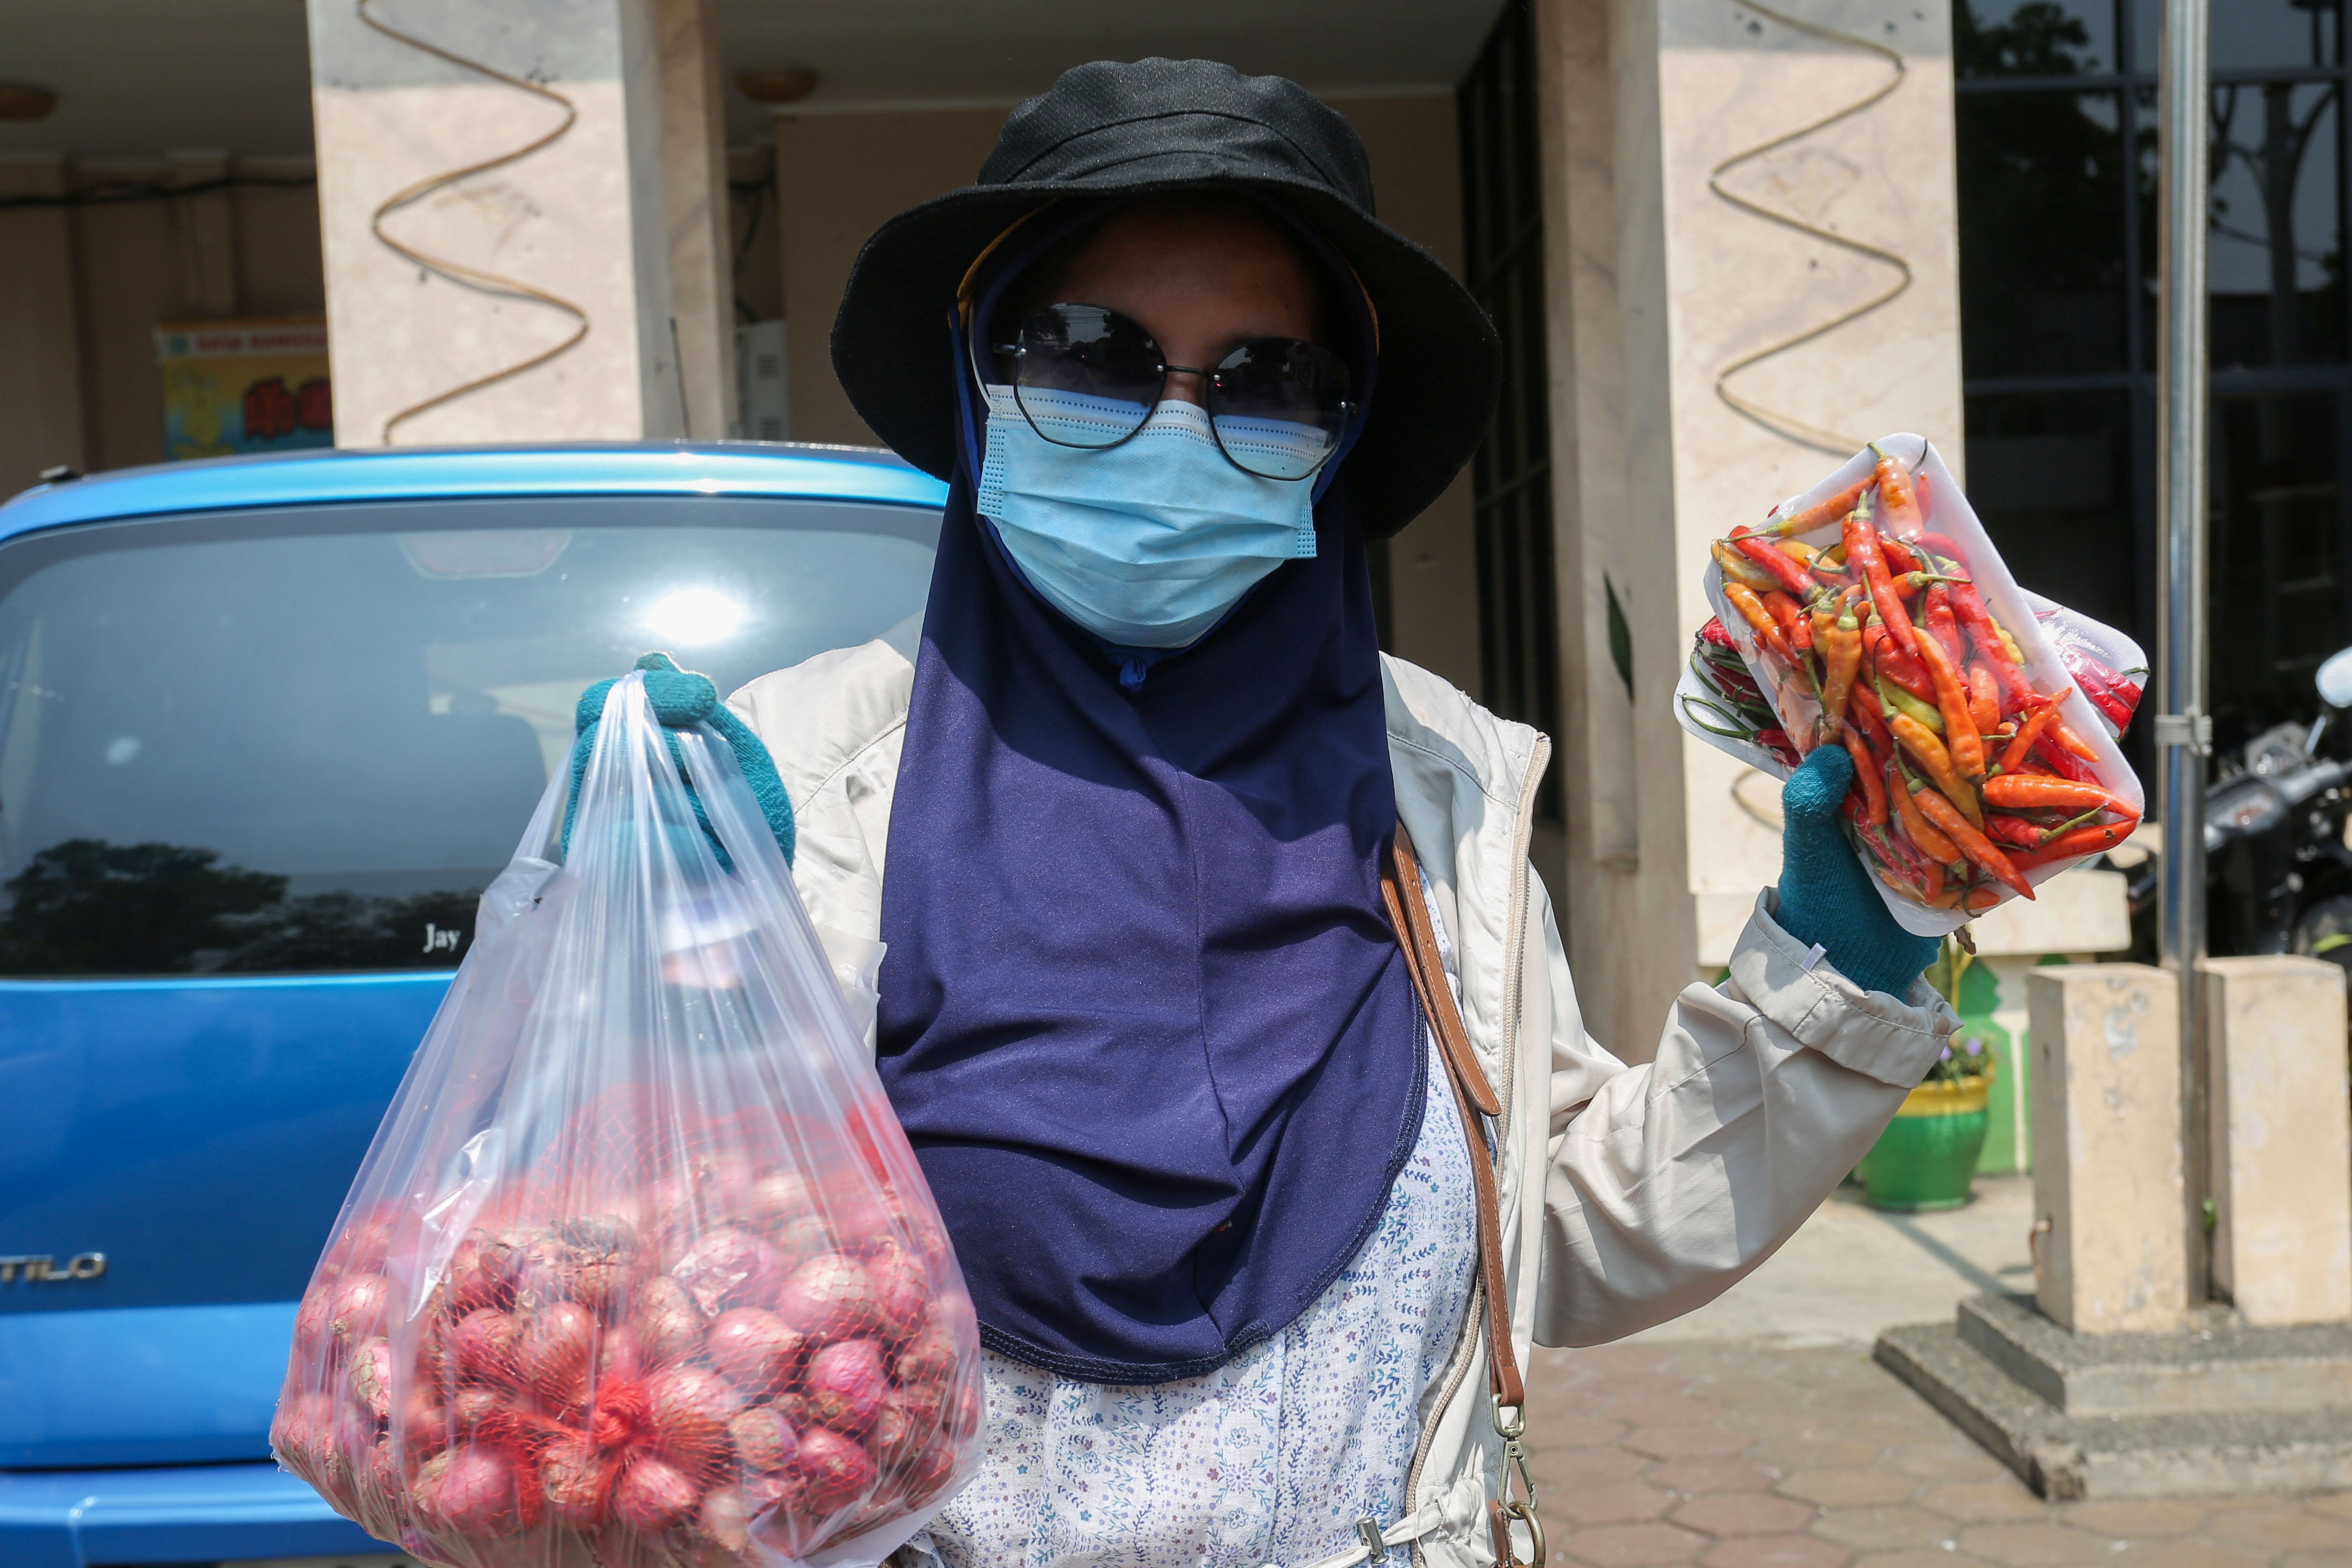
1271 1458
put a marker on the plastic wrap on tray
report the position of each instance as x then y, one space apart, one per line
2000 736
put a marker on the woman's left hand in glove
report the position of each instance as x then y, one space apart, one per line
1826 897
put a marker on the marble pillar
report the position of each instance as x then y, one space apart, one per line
701 252
584 220
1659 284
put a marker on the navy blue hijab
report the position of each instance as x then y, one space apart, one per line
1143 1016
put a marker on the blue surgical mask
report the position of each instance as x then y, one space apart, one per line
1146 543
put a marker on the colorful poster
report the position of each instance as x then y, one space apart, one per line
243 387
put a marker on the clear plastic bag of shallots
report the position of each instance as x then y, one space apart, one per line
640 1269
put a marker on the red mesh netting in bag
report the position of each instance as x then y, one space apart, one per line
640 1269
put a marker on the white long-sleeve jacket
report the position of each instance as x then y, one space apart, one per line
1629 1194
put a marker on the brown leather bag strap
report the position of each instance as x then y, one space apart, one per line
1401 886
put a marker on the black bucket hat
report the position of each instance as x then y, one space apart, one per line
1112 130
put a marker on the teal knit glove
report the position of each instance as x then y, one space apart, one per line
680 697
1826 896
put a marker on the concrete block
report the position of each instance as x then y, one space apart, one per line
2173 1453
2082 910
2107 1179
2212 1362
2282 1139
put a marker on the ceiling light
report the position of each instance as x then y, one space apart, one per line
778 84
20 101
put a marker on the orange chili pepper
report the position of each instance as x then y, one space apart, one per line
1821 514
1841 646
1984 697
1894 494
1961 739
1893 874
1921 743
2025 791
1865 776
1760 619
2072 741
1979 850
1738 568
2013 759
1932 843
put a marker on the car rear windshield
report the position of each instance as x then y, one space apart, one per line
305 740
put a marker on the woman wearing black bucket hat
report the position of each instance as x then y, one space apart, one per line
1230 1023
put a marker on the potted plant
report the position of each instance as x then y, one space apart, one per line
1926 1157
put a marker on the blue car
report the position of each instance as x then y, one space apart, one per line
267 727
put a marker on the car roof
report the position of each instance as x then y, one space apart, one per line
636 467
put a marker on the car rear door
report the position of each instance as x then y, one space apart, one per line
255 769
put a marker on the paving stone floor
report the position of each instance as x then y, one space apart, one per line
1731 1455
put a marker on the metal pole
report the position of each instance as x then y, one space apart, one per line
2183 731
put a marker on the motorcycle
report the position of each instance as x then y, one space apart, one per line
2278 870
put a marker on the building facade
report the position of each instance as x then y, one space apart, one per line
1725 242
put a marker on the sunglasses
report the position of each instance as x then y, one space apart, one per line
1087 376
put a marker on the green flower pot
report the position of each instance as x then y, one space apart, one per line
1927 1156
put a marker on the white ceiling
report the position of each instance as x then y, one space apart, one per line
142 77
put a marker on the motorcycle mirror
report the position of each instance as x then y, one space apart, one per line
2336 680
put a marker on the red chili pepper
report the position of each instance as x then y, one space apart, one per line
1863 557
1794 625
2092 840
1942 545
1919 483
1969 608
1899 557
2013 830
1900 864
1866 775
1903 669
1941 622
2112 710
2060 760
1861 708
1713 632
2097 682
1785 569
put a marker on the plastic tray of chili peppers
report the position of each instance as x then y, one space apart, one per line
1872 611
